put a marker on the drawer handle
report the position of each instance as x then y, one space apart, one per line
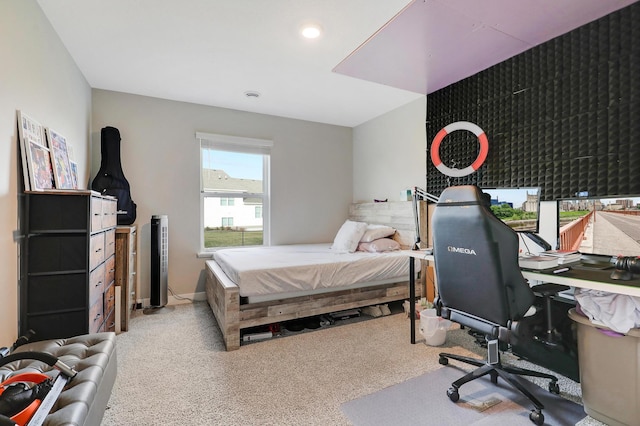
97 317
111 298
99 283
112 270
99 249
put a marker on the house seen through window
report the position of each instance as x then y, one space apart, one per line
234 191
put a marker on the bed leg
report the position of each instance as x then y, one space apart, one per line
225 305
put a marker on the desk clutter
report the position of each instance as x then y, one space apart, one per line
537 262
623 267
549 258
626 266
563 256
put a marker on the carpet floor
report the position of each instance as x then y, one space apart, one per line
173 370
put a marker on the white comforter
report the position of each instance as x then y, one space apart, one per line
299 267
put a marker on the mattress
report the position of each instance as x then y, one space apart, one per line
291 269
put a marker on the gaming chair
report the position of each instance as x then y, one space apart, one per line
480 285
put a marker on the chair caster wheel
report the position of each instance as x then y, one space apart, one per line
453 394
494 377
443 361
536 417
554 388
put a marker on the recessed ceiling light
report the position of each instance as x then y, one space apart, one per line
252 94
311 30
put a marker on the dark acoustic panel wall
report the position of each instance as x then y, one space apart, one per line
564 115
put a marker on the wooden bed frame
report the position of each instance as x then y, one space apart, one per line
224 296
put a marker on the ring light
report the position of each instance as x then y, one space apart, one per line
482 155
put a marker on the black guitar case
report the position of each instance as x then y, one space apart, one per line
110 179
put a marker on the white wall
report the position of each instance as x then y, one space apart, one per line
389 153
311 176
38 77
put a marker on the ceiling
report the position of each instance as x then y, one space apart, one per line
212 52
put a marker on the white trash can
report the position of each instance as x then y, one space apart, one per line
433 328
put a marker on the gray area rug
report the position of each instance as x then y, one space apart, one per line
423 401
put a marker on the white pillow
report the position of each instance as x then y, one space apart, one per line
375 232
348 236
380 245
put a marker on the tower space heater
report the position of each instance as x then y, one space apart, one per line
159 260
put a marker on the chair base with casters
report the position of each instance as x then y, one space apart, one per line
494 367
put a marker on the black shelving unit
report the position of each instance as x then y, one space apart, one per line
67 263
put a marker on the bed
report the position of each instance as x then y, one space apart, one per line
253 286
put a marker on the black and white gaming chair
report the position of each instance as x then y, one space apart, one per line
480 285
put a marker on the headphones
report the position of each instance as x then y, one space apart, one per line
21 395
629 263
626 266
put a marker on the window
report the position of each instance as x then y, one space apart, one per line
234 188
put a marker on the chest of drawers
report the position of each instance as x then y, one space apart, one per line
67 263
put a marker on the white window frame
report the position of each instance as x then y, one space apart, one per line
242 145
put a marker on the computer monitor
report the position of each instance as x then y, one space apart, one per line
517 207
600 225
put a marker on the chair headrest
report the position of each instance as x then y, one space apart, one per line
466 194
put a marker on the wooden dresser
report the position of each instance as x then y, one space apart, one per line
126 271
67 263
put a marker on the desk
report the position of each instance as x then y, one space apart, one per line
584 277
578 276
